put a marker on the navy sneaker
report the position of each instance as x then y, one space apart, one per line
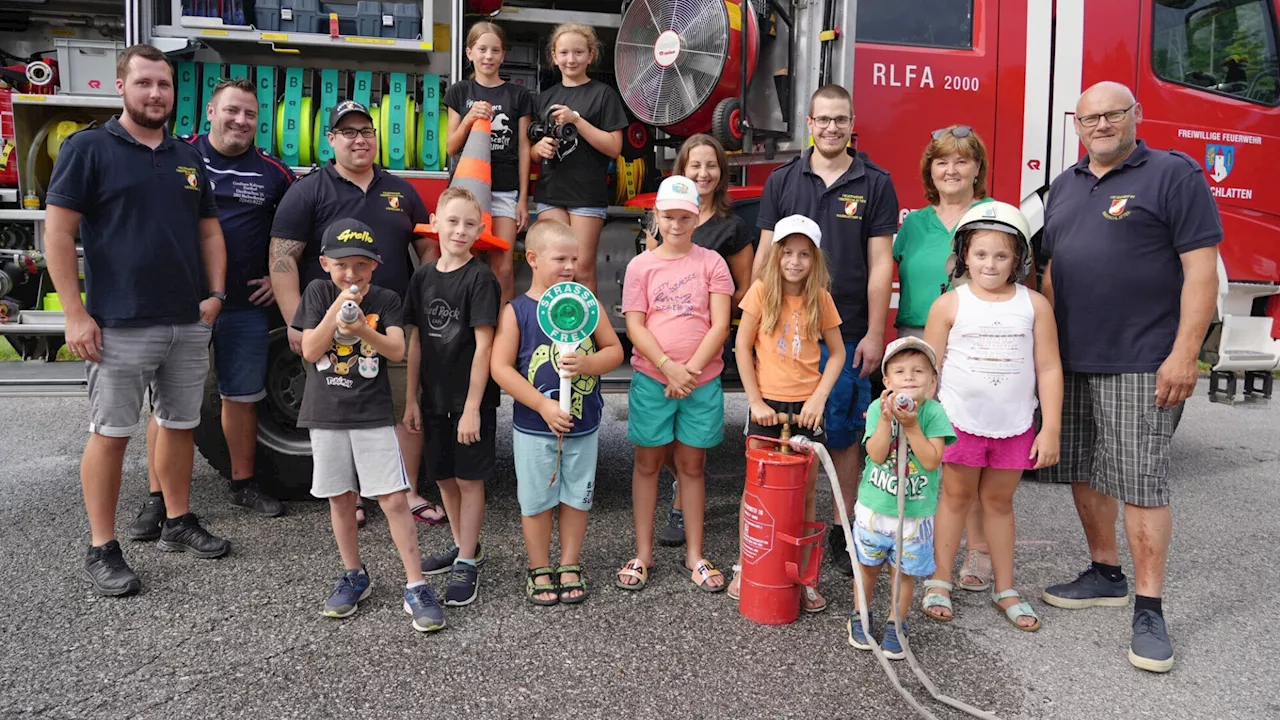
463 585
1150 648
352 587
441 563
1088 590
421 603
857 633
890 644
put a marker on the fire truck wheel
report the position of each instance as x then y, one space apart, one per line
282 464
726 123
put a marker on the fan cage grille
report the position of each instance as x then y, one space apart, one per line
665 96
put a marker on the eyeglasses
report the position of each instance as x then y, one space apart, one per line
957 132
350 133
1112 117
843 121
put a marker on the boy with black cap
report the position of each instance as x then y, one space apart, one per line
350 330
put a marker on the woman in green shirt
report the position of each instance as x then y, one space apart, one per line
954 169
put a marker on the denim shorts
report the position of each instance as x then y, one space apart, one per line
875 539
240 341
503 204
654 419
593 212
171 360
845 416
536 459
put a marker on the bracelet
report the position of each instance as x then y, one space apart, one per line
663 360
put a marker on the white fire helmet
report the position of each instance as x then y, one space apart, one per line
994 215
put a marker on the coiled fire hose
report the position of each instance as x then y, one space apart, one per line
820 451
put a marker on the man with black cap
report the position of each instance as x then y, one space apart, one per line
353 186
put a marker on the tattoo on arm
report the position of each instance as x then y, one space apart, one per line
285 254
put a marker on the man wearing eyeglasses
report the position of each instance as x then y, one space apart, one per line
854 203
352 185
1131 234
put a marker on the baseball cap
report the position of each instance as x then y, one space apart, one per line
345 108
677 193
349 237
797 225
903 344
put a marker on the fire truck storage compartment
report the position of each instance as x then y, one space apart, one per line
399 20
87 67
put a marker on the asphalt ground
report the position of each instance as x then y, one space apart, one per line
242 635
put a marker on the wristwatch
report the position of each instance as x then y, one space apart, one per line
220 296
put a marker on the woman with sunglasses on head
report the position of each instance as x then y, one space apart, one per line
954 170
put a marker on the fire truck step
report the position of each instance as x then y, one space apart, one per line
35 378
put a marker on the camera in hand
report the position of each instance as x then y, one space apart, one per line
546 126
904 402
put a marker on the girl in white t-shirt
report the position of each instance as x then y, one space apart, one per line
998 345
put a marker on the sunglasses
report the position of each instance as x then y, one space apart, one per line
959 131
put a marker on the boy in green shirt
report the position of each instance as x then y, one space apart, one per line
910 368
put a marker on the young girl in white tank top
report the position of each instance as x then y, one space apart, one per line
998 347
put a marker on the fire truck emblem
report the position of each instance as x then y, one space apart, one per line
1218 161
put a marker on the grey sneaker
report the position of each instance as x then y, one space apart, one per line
673 534
1150 648
442 562
1088 590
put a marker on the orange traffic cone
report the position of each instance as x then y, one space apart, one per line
475 173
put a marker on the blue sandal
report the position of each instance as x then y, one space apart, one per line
933 600
1022 609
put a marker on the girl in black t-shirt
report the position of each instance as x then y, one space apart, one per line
573 180
510 108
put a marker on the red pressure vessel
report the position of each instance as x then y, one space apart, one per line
773 533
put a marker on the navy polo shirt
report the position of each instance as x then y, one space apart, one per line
860 205
1115 243
248 187
140 224
390 207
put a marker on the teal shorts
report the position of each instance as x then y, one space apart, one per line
535 460
655 419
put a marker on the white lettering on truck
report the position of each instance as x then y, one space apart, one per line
919 76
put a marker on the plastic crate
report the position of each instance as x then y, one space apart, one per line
87 67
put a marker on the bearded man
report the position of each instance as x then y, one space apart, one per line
155 280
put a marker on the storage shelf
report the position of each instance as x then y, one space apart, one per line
292 39
87 101
544 16
36 215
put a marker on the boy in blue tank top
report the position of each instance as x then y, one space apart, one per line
555 451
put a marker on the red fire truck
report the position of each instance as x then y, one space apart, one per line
1205 71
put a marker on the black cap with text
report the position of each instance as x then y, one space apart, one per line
349 237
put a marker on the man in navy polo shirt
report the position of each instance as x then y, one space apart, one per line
154 268
855 204
353 186
248 184
1132 235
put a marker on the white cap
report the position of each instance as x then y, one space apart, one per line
677 193
797 225
905 343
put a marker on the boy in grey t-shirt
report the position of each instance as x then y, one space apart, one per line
348 409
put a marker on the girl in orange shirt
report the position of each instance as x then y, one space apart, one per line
784 316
